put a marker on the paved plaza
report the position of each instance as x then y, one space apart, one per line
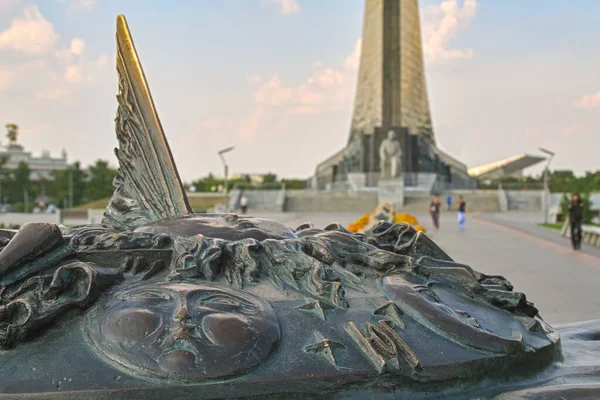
563 284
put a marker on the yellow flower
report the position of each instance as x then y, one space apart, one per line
359 223
406 218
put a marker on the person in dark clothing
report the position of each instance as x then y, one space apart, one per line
434 210
576 220
462 213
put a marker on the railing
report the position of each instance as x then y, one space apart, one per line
590 234
261 186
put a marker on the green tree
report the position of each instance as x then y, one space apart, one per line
100 183
60 189
19 184
293 184
566 181
269 178
3 176
588 214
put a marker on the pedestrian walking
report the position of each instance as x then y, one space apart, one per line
449 202
434 210
244 203
462 212
576 220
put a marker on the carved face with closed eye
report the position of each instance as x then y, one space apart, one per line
183 330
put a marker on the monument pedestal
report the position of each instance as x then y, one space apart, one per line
393 190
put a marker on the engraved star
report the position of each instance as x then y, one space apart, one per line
392 312
315 308
324 347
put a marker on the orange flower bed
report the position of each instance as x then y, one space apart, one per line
360 223
406 218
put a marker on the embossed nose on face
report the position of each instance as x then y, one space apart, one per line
204 317
194 330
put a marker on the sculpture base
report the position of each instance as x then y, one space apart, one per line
74 375
392 190
64 364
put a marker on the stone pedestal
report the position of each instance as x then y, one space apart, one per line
392 190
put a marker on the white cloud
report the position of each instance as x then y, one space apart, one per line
353 60
11 76
30 33
74 74
287 7
49 71
589 101
250 125
273 92
441 23
102 61
325 90
7 78
77 46
79 5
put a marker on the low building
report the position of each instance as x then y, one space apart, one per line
511 167
41 167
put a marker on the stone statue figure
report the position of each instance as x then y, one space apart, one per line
390 157
158 301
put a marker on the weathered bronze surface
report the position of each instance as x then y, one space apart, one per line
158 302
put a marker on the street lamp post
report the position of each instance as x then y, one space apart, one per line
226 170
546 189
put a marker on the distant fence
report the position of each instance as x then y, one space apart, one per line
67 217
590 233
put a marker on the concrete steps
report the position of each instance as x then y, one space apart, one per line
333 201
258 200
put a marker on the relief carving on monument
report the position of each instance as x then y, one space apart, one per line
158 301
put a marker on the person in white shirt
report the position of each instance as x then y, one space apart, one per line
244 203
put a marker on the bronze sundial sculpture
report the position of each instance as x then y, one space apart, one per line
158 302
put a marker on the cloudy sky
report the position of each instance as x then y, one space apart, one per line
276 78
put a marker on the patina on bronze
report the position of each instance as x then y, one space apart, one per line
183 330
158 302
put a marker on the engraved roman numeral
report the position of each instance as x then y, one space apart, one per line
383 346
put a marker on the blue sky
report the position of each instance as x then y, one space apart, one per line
276 78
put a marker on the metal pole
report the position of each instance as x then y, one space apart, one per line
226 170
546 188
226 180
545 208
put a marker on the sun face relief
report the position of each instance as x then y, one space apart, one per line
183 330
